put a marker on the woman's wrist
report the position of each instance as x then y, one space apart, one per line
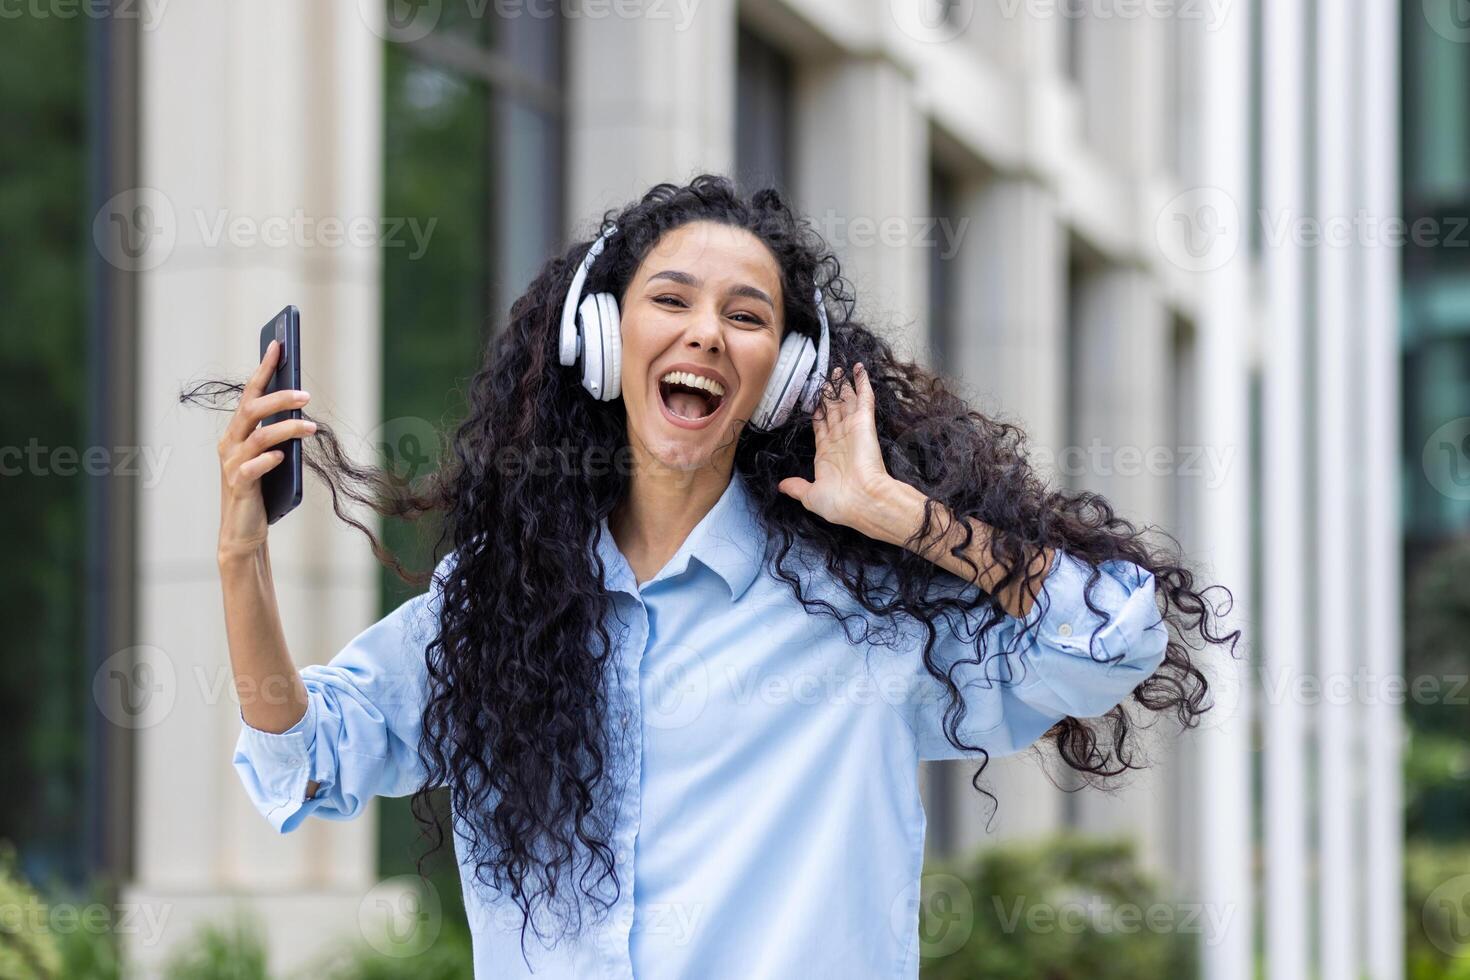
892 513
235 558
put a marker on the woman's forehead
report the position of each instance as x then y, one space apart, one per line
707 249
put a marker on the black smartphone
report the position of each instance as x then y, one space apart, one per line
280 487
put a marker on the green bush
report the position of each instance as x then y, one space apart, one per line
1054 909
449 958
1436 911
87 951
1437 649
28 950
222 952
1057 908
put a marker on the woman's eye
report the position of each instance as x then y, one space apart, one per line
750 318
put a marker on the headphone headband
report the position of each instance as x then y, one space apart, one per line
570 339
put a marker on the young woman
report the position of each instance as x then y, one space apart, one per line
722 571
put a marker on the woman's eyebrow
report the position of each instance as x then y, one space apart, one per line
684 278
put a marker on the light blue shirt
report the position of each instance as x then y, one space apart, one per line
771 824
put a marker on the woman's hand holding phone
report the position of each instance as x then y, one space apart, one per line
259 657
246 454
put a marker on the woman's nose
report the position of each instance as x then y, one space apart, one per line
705 331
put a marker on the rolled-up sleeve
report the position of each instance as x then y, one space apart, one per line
360 735
1061 660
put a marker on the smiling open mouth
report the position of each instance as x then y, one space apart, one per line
690 396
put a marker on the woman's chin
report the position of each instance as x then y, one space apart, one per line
684 449
690 452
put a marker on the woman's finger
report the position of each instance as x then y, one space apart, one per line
238 428
795 486
829 384
838 406
276 401
819 425
258 379
278 432
864 385
253 469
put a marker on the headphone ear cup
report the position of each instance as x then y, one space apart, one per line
600 329
594 348
793 364
612 345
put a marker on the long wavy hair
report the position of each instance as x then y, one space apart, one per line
515 717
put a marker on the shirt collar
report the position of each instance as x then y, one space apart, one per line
729 540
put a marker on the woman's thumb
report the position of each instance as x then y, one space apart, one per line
794 486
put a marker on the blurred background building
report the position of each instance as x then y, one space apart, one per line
1166 237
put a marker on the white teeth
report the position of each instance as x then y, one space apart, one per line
695 381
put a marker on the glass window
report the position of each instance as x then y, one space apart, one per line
943 204
49 720
762 114
1436 287
1436 107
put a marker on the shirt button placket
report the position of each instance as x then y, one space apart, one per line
623 638
621 924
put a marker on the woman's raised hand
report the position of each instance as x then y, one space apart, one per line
849 477
246 454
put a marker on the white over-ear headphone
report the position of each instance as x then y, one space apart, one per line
591 331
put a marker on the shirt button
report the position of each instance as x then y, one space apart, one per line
1065 629
625 718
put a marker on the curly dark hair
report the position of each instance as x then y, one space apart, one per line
514 722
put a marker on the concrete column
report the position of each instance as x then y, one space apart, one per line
255 120
1379 586
1288 945
650 99
1122 377
1224 757
1010 294
1122 68
1040 42
1010 283
1339 737
862 174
